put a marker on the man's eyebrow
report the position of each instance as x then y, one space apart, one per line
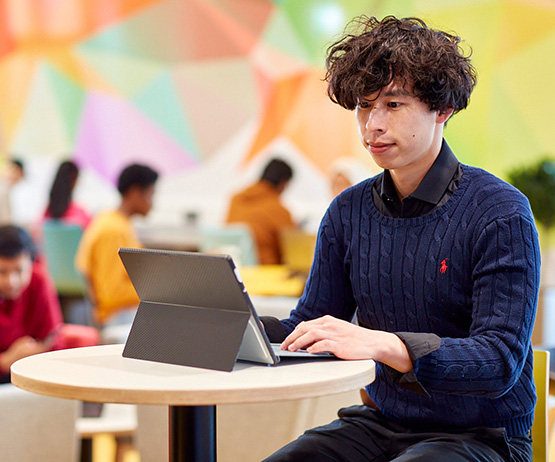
396 92
392 92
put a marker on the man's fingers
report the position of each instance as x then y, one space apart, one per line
307 333
308 338
321 346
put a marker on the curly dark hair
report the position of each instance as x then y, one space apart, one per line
363 63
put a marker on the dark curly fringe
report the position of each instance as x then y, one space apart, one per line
360 64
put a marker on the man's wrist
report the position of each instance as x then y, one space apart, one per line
395 354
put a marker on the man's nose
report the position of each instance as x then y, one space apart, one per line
376 120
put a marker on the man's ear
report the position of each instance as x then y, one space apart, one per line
443 116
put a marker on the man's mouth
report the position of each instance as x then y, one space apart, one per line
380 148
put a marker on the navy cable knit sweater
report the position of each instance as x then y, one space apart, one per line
467 272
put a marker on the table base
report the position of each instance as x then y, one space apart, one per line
192 431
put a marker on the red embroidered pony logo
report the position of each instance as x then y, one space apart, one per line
443 266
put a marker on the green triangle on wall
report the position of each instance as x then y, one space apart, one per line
161 104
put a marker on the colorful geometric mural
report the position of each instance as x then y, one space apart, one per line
172 81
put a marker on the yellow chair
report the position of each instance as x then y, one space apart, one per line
540 443
297 249
540 428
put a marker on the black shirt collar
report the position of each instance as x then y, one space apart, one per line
432 187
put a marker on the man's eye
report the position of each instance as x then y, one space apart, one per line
394 104
363 104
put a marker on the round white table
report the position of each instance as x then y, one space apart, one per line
102 374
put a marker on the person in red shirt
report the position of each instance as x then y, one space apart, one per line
30 314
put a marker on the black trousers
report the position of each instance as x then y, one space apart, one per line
363 434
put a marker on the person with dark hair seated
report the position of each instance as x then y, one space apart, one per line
110 289
259 206
439 260
30 313
61 205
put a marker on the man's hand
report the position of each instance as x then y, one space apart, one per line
349 341
21 348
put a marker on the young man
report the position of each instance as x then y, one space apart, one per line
115 300
30 313
29 307
440 261
260 207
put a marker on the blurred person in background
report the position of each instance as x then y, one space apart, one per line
61 205
259 206
345 172
30 313
12 174
110 289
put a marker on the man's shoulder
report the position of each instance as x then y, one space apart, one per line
492 196
259 190
106 228
484 183
108 221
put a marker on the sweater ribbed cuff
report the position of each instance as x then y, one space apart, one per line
418 345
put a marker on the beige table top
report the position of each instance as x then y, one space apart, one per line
102 374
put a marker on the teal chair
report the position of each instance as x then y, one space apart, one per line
60 246
234 239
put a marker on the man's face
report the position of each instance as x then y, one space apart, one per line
14 174
15 275
143 200
399 130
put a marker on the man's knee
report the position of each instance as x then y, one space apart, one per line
311 446
453 450
294 452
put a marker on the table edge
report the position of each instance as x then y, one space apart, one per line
194 397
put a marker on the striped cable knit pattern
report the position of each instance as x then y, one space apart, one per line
467 272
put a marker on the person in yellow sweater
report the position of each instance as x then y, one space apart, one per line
259 207
114 298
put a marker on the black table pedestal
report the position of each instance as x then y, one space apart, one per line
192 433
